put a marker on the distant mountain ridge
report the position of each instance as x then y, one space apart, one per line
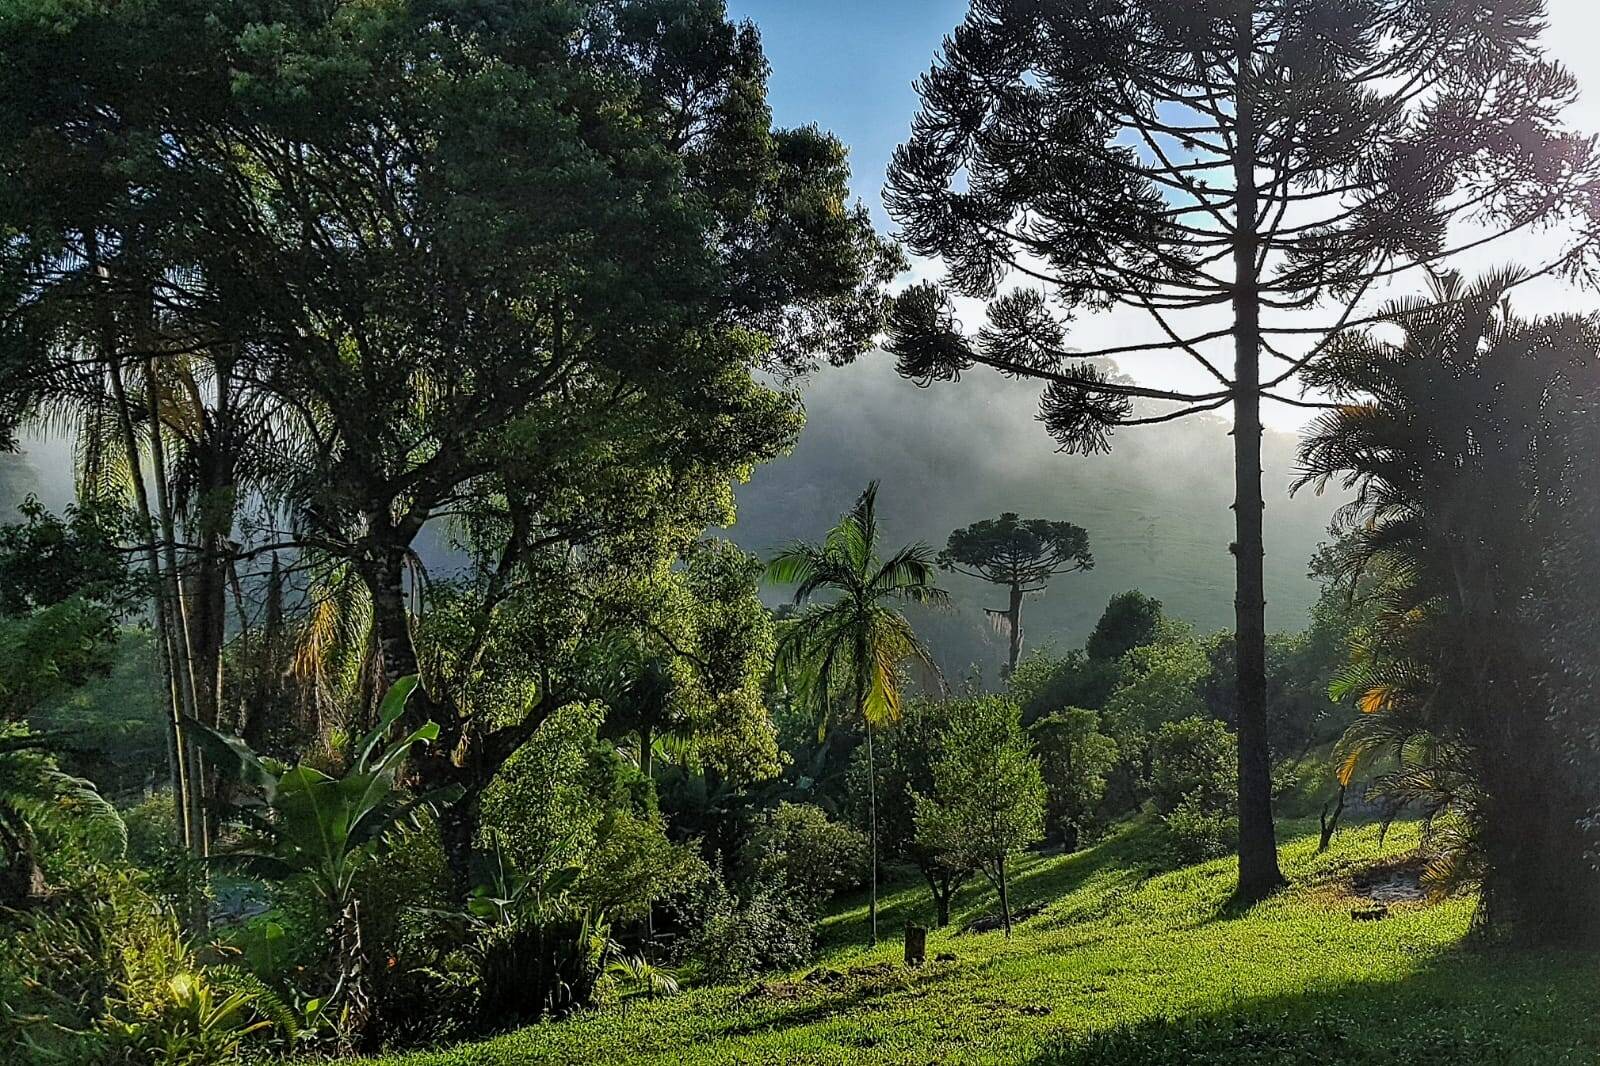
1156 508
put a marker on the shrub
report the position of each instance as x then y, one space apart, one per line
1075 758
1194 773
800 847
770 929
102 974
402 930
1194 760
1198 833
632 865
988 794
172 871
526 949
57 964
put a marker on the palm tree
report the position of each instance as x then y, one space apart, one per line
851 637
1456 438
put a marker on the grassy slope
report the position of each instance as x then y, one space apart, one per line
1125 964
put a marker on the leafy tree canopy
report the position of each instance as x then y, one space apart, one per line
1013 551
1131 619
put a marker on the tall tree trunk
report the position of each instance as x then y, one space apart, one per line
1014 620
1005 896
384 576
872 808
1259 875
177 741
872 791
183 641
434 765
647 745
177 758
215 508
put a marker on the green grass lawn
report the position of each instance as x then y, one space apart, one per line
1127 962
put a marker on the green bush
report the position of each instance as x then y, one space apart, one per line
798 846
770 929
1194 774
1194 760
537 967
402 929
102 974
57 965
524 949
1198 832
1075 758
632 866
154 845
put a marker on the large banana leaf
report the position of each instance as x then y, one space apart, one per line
308 822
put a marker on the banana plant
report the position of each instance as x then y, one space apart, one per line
303 824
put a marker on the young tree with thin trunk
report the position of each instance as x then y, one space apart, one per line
905 757
988 796
1242 172
1021 555
852 645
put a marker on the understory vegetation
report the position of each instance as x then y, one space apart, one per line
1126 957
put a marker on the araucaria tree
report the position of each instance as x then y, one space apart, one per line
1022 555
988 793
848 648
1267 161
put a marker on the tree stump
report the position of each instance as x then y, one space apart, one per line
916 945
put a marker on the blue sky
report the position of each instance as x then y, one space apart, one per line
848 66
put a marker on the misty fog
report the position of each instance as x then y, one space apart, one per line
1156 507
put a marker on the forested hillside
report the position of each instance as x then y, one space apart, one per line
1155 507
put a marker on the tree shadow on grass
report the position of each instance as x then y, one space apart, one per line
825 993
1465 1008
1122 861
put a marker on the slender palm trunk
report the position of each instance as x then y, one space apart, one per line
1259 875
177 741
183 641
872 807
177 761
872 790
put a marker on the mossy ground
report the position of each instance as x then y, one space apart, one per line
1128 961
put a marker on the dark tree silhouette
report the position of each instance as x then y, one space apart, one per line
1465 445
1021 554
1129 621
1258 159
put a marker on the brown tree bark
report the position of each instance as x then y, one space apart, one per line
1014 620
1259 875
1005 896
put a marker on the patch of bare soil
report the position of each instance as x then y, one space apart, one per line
1390 883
